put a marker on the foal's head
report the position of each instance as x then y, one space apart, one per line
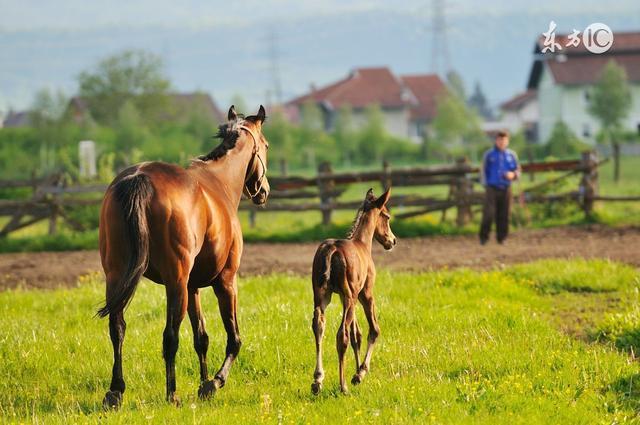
374 213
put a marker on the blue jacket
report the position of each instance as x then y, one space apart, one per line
494 166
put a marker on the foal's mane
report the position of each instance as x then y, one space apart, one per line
356 222
229 134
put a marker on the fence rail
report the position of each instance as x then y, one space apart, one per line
52 198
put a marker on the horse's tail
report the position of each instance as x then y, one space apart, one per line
322 264
133 193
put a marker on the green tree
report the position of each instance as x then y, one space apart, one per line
134 76
281 137
240 104
373 135
610 103
458 127
345 135
563 142
131 134
456 85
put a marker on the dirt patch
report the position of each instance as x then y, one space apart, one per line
53 269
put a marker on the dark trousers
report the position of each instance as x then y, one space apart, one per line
497 207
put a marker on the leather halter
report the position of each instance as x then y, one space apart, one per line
254 155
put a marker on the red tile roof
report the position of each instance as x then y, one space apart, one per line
363 87
576 65
366 86
426 88
519 100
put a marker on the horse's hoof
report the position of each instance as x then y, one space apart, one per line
207 389
175 400
344 390
316 387
112 400
356 379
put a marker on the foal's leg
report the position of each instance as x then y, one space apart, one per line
117 327
176 309
226 290
374 331
342 338
322 298
200 340
356 341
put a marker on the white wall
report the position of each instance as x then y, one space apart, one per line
570 104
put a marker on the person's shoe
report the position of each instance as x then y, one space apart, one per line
502 241
483 242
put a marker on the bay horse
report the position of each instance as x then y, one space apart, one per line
345 267
179 228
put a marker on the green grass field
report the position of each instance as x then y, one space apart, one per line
457 346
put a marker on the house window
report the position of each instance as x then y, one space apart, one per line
586 130
639 128
587 96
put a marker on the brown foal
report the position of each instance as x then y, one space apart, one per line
345 266
179 227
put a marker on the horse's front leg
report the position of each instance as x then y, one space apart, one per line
226 291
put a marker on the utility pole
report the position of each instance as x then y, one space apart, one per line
276 86
440 60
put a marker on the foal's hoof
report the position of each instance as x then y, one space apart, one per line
316 387
208 389
112 400
356 379
344 390
174 400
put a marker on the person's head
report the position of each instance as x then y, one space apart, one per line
502 139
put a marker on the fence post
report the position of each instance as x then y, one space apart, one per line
386 176
589 183
462 193
284 167
56 205
325 189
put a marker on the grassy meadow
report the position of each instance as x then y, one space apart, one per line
545 342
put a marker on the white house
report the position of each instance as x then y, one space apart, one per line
564 80
408 103
521 113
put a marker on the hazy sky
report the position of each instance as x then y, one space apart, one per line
222 46
17 15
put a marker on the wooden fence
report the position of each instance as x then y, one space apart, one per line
52 198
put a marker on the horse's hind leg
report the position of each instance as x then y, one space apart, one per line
356 341
200 341
374 331
342 338
322 298
176 309
117 327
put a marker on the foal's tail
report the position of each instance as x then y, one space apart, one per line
322 264
133 193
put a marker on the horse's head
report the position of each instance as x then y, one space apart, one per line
256 184
377 207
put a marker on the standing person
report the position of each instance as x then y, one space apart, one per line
499 168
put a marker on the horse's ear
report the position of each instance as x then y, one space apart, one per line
383 199
232 116
370 196
262 114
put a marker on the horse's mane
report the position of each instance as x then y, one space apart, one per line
229 134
